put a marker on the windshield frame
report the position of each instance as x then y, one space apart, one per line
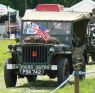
56 36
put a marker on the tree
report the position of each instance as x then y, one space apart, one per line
20 4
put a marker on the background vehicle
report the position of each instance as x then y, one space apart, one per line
55 59
90 44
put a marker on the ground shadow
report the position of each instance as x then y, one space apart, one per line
91 63
39 84
43 85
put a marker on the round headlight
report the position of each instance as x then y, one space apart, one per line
19 49
51 49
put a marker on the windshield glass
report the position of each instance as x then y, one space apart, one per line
53 28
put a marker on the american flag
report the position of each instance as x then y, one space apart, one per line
35 27
41 32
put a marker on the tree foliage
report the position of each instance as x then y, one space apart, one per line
20 4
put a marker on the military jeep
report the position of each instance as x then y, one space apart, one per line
90 44
55 59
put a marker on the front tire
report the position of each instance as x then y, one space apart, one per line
93 57
63 70
86 57
10 76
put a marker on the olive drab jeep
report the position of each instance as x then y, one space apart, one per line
90 44
90 39
33 56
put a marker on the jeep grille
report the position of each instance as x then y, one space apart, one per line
41 57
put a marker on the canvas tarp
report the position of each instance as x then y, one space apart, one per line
54 16
84 6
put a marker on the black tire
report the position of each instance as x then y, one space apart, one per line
10 75
93 56
63 70
86 57
31 78
83 69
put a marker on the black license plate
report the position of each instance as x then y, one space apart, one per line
31 72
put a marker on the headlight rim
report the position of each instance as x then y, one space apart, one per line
52 49
18 49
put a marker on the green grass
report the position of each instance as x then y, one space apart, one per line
86 86
3 52
43 84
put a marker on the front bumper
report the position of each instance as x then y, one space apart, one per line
31 67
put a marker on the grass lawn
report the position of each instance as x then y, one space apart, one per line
3 52
43 84
86 86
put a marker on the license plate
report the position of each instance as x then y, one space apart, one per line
31 72
36 67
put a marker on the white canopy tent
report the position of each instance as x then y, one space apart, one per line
5 9
9 19
84 6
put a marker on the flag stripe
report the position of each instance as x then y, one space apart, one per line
41 32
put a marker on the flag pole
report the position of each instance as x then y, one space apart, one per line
25 4
9 21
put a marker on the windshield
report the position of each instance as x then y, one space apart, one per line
53 28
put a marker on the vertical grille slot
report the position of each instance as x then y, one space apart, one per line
42 53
